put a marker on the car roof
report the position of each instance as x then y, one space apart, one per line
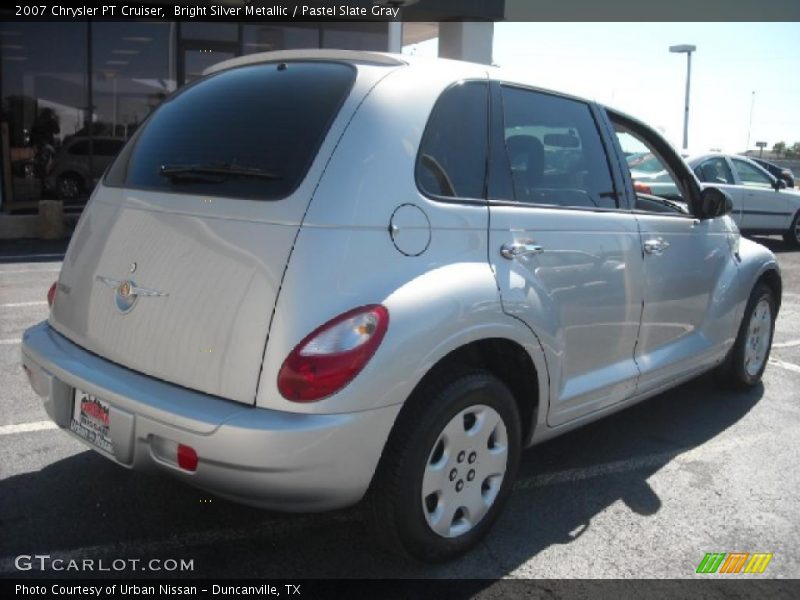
511 76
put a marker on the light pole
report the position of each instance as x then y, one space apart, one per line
750 123
688 49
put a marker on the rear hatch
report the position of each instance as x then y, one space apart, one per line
175 265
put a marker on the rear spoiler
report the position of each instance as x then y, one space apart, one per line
358 56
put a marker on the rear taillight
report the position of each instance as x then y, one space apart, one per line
642 188
51 294
333 354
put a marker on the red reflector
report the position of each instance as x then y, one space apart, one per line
187 458
51 294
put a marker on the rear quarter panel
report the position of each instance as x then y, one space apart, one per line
344 256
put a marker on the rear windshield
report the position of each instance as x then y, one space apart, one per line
249 132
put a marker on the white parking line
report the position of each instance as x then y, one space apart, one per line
10 341
19 257
20 271
579 474
21 304
27 427
789 344
785 365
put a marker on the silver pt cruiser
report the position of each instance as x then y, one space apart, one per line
317 277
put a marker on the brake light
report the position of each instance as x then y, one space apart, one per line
642 188
51 294
332 355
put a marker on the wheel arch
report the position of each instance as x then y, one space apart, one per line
510 362
773 280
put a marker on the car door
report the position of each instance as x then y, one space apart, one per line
765 208
566 256
689 268
716 171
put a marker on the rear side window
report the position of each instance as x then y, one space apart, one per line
249 132
714 170
453 154
751 176
555 151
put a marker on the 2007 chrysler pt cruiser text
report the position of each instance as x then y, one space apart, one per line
319 277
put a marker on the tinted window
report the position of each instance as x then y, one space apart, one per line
555 151
714 170
266 119
453 153
750 175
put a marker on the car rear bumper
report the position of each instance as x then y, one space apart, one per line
267 458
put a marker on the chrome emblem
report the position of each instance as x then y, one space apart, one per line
124 289
127 292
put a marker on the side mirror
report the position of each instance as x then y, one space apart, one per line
779 184
714 202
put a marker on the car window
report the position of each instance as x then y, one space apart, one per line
751 176
453 153
555 151
79 148
714 170
261 123
653 181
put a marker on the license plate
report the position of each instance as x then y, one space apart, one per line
90 420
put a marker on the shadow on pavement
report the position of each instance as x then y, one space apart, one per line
86 506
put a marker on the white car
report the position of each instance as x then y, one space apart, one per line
761 202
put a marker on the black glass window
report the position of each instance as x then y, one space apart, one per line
453 153
249 132
43 79
555 151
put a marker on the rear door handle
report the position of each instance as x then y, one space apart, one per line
656 246
517 249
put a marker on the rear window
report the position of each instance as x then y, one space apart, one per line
249 132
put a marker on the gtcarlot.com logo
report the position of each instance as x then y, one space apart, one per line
734 562
46 562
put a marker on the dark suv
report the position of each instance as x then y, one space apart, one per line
776 171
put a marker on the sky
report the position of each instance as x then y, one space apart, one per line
628 66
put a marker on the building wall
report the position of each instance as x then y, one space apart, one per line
71 92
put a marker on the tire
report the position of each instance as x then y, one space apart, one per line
792 237
69 187
750 353
469 478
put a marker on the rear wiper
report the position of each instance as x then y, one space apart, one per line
224 170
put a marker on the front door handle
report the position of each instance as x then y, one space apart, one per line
517 249
656 246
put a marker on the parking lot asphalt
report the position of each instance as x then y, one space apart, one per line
644 493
